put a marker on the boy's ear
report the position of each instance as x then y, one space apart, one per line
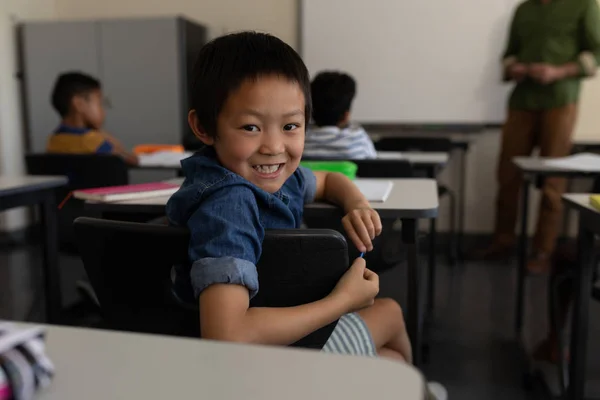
78 103
198 129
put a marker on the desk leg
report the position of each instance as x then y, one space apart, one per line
461 202
579 329
413 320
431 265
52 290
522 255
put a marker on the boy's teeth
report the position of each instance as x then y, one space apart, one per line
267 169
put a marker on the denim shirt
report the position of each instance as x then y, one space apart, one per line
227 217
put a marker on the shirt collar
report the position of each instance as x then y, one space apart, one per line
62 128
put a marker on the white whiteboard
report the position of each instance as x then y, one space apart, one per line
414 61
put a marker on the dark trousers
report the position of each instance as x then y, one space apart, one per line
550 130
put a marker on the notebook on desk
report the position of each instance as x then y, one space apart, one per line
127 192
375 190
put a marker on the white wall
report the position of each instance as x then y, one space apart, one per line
11 127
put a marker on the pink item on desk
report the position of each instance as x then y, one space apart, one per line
127 192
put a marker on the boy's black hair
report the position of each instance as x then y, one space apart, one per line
225 62
332 95
71 84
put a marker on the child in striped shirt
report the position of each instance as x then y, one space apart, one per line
333 136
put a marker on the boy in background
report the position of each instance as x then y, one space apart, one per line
78 100
334 136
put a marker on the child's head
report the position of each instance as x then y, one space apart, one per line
332 94
78 97
250 101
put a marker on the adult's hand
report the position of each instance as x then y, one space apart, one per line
517 71
546 73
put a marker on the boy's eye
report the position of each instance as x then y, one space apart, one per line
250 128
290 127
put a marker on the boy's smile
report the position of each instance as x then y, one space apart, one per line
260 131
268 171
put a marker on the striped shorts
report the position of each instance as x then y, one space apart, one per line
351 336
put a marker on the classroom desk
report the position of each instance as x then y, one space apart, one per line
461 138
19 191
99 364
589 227
533 168
410 200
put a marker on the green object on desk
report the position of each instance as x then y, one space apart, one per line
347 168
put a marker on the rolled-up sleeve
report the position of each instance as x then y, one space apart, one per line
589 57
226 240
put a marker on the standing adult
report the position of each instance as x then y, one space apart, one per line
552 45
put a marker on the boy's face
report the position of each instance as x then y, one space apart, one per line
90 107
260 131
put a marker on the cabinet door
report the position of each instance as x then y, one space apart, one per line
141 71
48 49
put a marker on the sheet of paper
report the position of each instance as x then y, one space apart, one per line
375 190
162 159
580 162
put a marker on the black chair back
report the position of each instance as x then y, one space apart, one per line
414 144
84 171
130 267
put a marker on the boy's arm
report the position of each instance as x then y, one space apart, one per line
225 315
336 188
225 247
120 150
362 223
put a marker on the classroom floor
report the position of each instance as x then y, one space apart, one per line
472 347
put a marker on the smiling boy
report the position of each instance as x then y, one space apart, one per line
250 103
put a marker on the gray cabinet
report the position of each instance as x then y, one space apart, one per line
143 65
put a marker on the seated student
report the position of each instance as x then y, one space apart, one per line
250 99
334 136
78 100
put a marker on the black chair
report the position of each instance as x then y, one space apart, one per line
130 267
84 171
441 145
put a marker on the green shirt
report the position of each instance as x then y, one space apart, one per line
556 33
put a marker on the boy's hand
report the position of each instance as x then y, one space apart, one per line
362 224
358 287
